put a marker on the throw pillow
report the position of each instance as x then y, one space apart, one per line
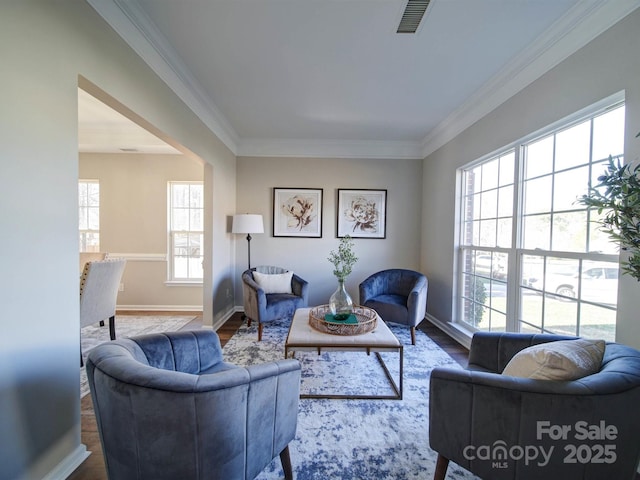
561 360
274 282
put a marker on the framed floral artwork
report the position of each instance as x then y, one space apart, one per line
297 212
362 213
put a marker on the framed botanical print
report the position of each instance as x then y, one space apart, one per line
362 213
297 212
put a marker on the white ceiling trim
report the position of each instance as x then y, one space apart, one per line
133 25
575 29
330 149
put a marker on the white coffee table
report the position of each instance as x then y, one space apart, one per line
304 338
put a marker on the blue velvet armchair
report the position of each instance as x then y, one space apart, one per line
479 408
168 407
398 295
263 305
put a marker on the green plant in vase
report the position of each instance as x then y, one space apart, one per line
617 196
343 260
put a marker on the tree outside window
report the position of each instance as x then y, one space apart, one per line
531 256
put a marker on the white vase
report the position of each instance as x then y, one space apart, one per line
340 303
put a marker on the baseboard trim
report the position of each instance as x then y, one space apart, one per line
161 308
55 463
227 315
69 464
460 335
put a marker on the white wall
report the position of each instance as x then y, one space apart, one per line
44 47
133 221
607 65
257 177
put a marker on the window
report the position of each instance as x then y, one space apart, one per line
531 258
186 231
89 215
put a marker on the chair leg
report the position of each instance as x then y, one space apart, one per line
112 327
102 323
259 331
285 459
441 468
413 335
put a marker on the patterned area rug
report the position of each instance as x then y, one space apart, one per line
355 439
126 326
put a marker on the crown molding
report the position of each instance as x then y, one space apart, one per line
581 24
130 21
330 148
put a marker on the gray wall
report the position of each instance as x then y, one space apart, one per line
607 65
45 46
133 222
257 177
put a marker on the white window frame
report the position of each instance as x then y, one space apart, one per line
172 279
88 231
515 251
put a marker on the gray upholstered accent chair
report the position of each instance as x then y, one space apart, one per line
168 407
99 286
479 407
398 295
265 307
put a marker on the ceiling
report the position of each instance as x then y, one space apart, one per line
333 78
103 130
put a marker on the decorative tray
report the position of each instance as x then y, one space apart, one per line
366 321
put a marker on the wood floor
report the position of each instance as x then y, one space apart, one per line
93 467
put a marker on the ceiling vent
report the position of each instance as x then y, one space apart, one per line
412 16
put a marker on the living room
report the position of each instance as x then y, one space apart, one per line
50 49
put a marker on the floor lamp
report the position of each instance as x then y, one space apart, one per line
247 223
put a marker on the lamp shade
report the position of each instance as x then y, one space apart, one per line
247 223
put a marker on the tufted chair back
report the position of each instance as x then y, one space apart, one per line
99 286
479 407
168 407
398 295
266 307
